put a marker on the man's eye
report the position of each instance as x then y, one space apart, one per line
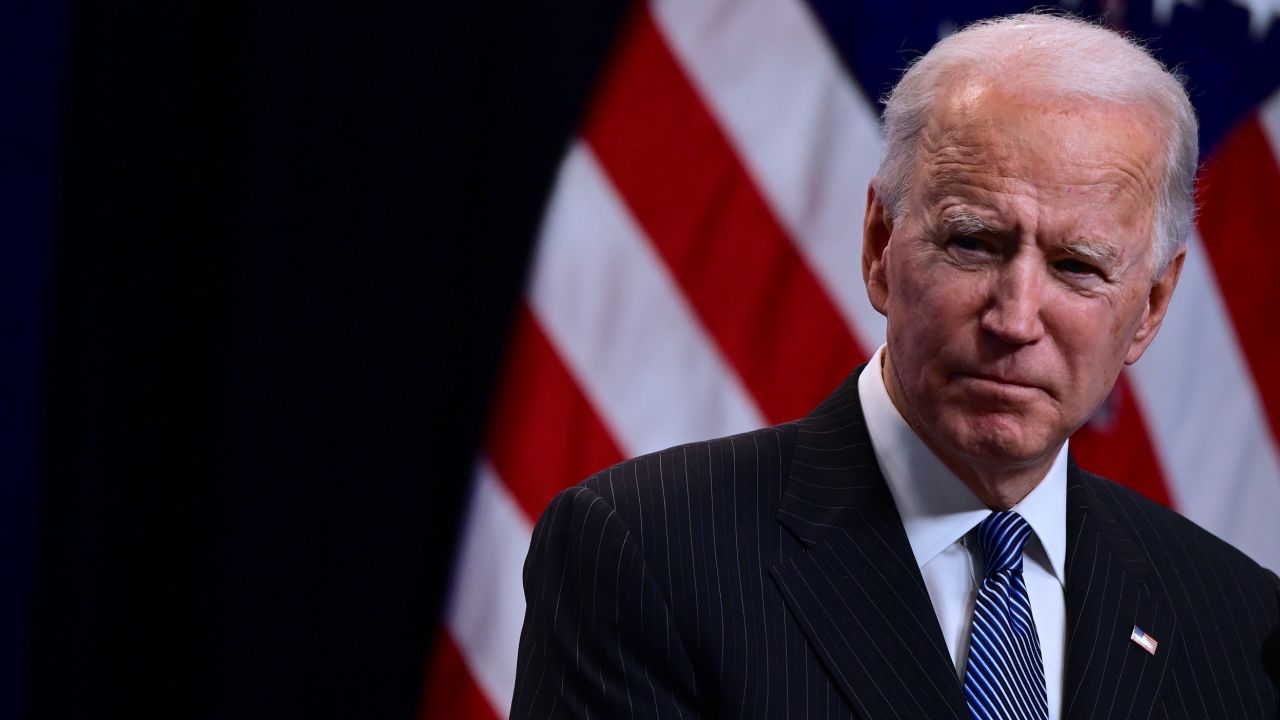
1071 266
968 243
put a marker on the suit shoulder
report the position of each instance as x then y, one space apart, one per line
685 480
1169 536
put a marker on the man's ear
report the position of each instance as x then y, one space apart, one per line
877 227
1157 305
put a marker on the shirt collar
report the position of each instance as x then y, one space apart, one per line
936 507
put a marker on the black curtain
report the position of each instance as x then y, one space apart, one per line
290 239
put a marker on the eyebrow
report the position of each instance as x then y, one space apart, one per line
964 222
1101 252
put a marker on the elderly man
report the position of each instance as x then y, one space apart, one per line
922 545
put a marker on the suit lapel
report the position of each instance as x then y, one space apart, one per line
857 592
1108 594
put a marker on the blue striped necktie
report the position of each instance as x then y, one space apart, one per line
1005 674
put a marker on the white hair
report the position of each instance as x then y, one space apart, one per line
1060 55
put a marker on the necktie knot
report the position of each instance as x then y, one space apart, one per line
1002 537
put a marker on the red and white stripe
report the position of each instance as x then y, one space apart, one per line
697 274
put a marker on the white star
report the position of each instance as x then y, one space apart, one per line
1261 14
1162 10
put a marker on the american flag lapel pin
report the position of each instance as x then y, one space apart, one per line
1143 640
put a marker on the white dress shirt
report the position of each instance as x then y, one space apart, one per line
941 514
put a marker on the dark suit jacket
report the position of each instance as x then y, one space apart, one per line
768 575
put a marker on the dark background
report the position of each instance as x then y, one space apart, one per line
267 263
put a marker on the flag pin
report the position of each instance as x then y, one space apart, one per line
1143 640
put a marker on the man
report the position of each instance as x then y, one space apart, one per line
921 545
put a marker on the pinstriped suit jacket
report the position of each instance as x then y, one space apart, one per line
768 575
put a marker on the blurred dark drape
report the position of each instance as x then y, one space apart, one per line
290 238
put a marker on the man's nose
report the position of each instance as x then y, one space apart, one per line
1013 310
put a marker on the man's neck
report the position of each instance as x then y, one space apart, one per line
998 489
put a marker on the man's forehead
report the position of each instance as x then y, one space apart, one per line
1008 120
994 146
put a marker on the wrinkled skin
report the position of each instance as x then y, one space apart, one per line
1019 280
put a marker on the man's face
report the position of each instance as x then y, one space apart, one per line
1019 280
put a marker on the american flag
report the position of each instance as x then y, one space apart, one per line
697 273
1145 641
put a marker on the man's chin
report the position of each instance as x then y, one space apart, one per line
998 440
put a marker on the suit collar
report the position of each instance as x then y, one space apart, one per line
1111 589
833 475
857 592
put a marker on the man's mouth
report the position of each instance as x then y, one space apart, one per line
1002 383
